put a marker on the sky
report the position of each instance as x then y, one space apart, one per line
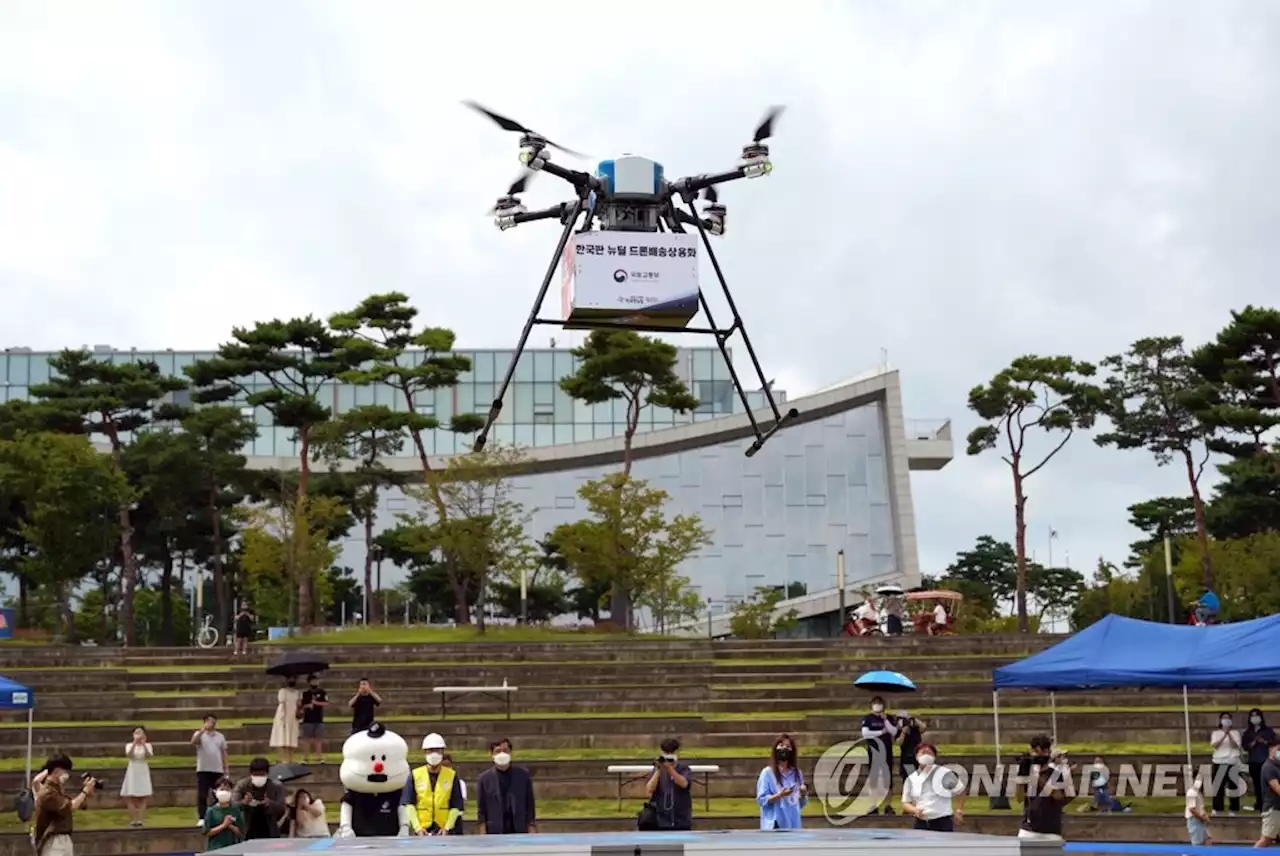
955 184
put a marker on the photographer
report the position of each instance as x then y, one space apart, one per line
1049 791
668 789
55 808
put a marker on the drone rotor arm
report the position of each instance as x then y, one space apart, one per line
688 188
555 212
580 180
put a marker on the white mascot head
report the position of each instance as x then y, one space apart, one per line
374 761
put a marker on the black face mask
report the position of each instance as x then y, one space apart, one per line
784 754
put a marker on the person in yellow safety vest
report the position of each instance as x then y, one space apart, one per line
434 793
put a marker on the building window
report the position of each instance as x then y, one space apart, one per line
425 409
246 412
544 418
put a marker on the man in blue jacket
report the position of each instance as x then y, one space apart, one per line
1207 607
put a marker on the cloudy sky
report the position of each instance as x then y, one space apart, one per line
956 183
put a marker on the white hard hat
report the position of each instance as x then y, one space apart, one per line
433 741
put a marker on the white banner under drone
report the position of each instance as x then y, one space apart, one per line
636 277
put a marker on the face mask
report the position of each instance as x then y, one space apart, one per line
877 708
925 760
258 781
434 759
1098 767
784 753
64 778
223 796
502 759
1255 720
1226 722
670 757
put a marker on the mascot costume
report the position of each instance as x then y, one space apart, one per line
375 767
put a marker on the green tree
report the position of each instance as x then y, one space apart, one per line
628 541
756 618
219 434
280 545
1049 395
620 365
70 493
163 466
346 595
1056 590
479 539
97 397
1248 585
545 587
1155 518
384 346
985 574
1151 399
1242 366
297 358
366 436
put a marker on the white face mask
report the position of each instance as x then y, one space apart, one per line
222 796
502 759
258 781
434 759
925 760
1255 720
877 708
1099 767
1226 722
64 778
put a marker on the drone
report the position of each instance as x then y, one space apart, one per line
637 269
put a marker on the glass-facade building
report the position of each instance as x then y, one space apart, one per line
835 481
536 411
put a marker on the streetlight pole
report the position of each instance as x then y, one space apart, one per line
1168 577
524 596
840 583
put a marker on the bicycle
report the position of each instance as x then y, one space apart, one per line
207 635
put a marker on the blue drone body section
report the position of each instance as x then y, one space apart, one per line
630 177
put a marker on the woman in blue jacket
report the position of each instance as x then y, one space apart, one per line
780 790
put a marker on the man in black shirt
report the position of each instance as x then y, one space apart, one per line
504 796
669 789
881 728
364 705
314 701
1049 791
244 630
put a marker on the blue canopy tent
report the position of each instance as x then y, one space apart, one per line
14 696
1126 652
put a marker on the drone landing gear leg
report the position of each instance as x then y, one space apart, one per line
494 409
722 336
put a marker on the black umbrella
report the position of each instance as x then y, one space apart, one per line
297 665
289 772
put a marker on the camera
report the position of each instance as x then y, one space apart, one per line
87 778
665 759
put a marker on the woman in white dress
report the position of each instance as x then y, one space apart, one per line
284 728
136 788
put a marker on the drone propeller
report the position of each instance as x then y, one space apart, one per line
512 197
765 129
516 128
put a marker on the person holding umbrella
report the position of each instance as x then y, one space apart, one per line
284 725
882 728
